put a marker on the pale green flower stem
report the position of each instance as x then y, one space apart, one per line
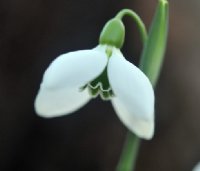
150 63
129 153
138 21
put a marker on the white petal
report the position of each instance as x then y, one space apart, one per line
75 68
143 128
134 96
59 92
197 167
58 102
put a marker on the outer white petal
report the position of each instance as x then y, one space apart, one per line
75 68
59 92
197 167
58 102
134 96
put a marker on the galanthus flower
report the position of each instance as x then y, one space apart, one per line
74 78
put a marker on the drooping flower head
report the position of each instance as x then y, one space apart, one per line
74 78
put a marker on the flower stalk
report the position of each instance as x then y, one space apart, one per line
129 153
137 19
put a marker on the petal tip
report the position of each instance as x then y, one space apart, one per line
41 109
140 122
144 129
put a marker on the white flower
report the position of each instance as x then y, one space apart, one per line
74 78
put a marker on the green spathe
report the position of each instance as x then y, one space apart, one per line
113 33
154 50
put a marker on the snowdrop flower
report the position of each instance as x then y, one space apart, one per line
74 78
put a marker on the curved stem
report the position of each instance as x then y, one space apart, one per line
139 22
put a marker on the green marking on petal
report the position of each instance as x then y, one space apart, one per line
83 87
101 86
93 91
106 95
102 78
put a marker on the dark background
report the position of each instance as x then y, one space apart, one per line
34 32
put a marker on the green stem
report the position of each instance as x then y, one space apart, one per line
129 153
139 22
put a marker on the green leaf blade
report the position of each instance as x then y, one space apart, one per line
154 49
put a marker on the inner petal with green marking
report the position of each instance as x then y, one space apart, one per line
100 85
